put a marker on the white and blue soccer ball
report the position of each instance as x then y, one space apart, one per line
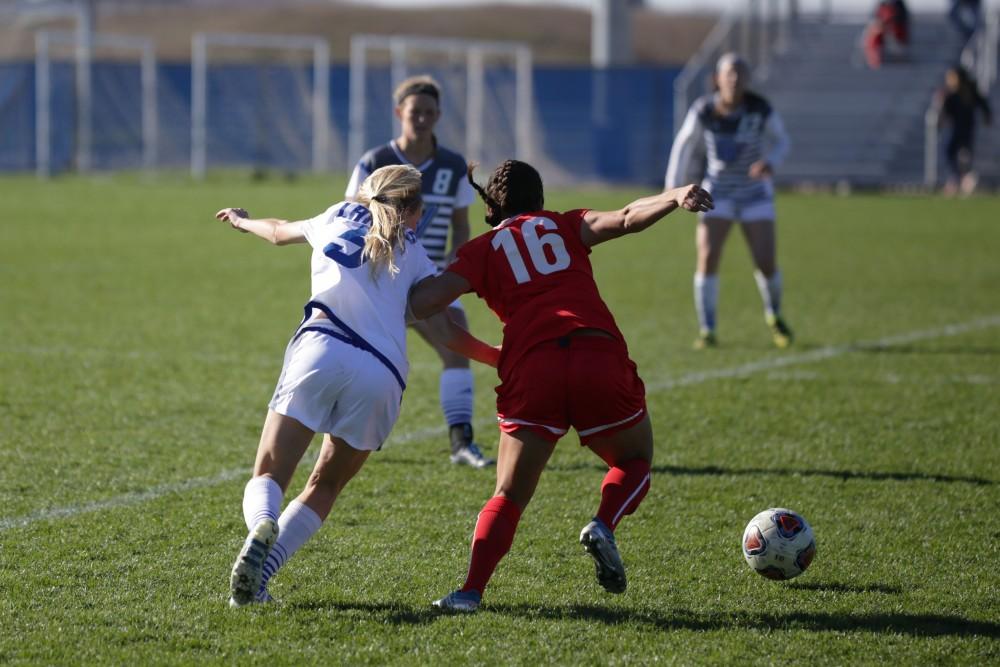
779 544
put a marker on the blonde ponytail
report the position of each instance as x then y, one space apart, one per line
390 193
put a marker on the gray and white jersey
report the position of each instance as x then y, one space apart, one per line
730 145
445 188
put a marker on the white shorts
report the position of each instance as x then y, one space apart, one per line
747 213
333 387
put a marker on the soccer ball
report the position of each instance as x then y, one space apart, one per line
778 544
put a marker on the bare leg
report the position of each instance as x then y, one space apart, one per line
338 462
520 463
628 454
523 456
635 442
761 239
283 441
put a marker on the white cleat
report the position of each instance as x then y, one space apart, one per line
470 455
599 542
463 602
244 583
262 597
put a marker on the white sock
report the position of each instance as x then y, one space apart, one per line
261 500
456 395
706 296
770 292
297 524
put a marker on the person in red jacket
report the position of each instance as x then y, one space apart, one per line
891 19
563 363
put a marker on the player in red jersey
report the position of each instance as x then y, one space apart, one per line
563 362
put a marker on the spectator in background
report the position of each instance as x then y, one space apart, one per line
958 104
890 27
965 16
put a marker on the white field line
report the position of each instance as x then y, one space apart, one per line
821 354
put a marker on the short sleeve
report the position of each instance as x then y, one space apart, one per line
358 177
465 195
311 227
423 266
470 262
571 221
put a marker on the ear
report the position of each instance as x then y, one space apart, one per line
398 112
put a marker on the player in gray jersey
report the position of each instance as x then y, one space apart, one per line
740 140
447 196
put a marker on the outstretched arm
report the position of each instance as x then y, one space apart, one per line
600 226
278 232
460 341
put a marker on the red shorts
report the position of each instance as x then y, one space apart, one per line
587 382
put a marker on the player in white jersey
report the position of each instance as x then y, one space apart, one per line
345 367
447 197
742 140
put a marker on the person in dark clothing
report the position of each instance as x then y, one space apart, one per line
959 103
965 15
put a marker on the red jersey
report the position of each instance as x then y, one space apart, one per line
534 272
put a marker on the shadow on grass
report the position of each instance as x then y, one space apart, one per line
387 612
918 625
835 587
843 475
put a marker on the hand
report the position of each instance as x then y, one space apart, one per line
233 216
692 198
760 169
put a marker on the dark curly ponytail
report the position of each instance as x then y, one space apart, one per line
514 187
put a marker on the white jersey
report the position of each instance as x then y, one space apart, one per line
730 145
444 188
368 311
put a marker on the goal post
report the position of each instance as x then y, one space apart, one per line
402 49
146 50
202 42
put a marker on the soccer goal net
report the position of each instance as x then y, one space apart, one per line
265 104
107 127
486 93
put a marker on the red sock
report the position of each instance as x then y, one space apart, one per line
494 534
623 489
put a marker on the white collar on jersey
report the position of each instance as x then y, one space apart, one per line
405 160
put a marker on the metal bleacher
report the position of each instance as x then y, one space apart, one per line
851 124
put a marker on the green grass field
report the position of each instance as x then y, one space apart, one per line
141 340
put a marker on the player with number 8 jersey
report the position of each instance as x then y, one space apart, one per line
563 363
447 196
